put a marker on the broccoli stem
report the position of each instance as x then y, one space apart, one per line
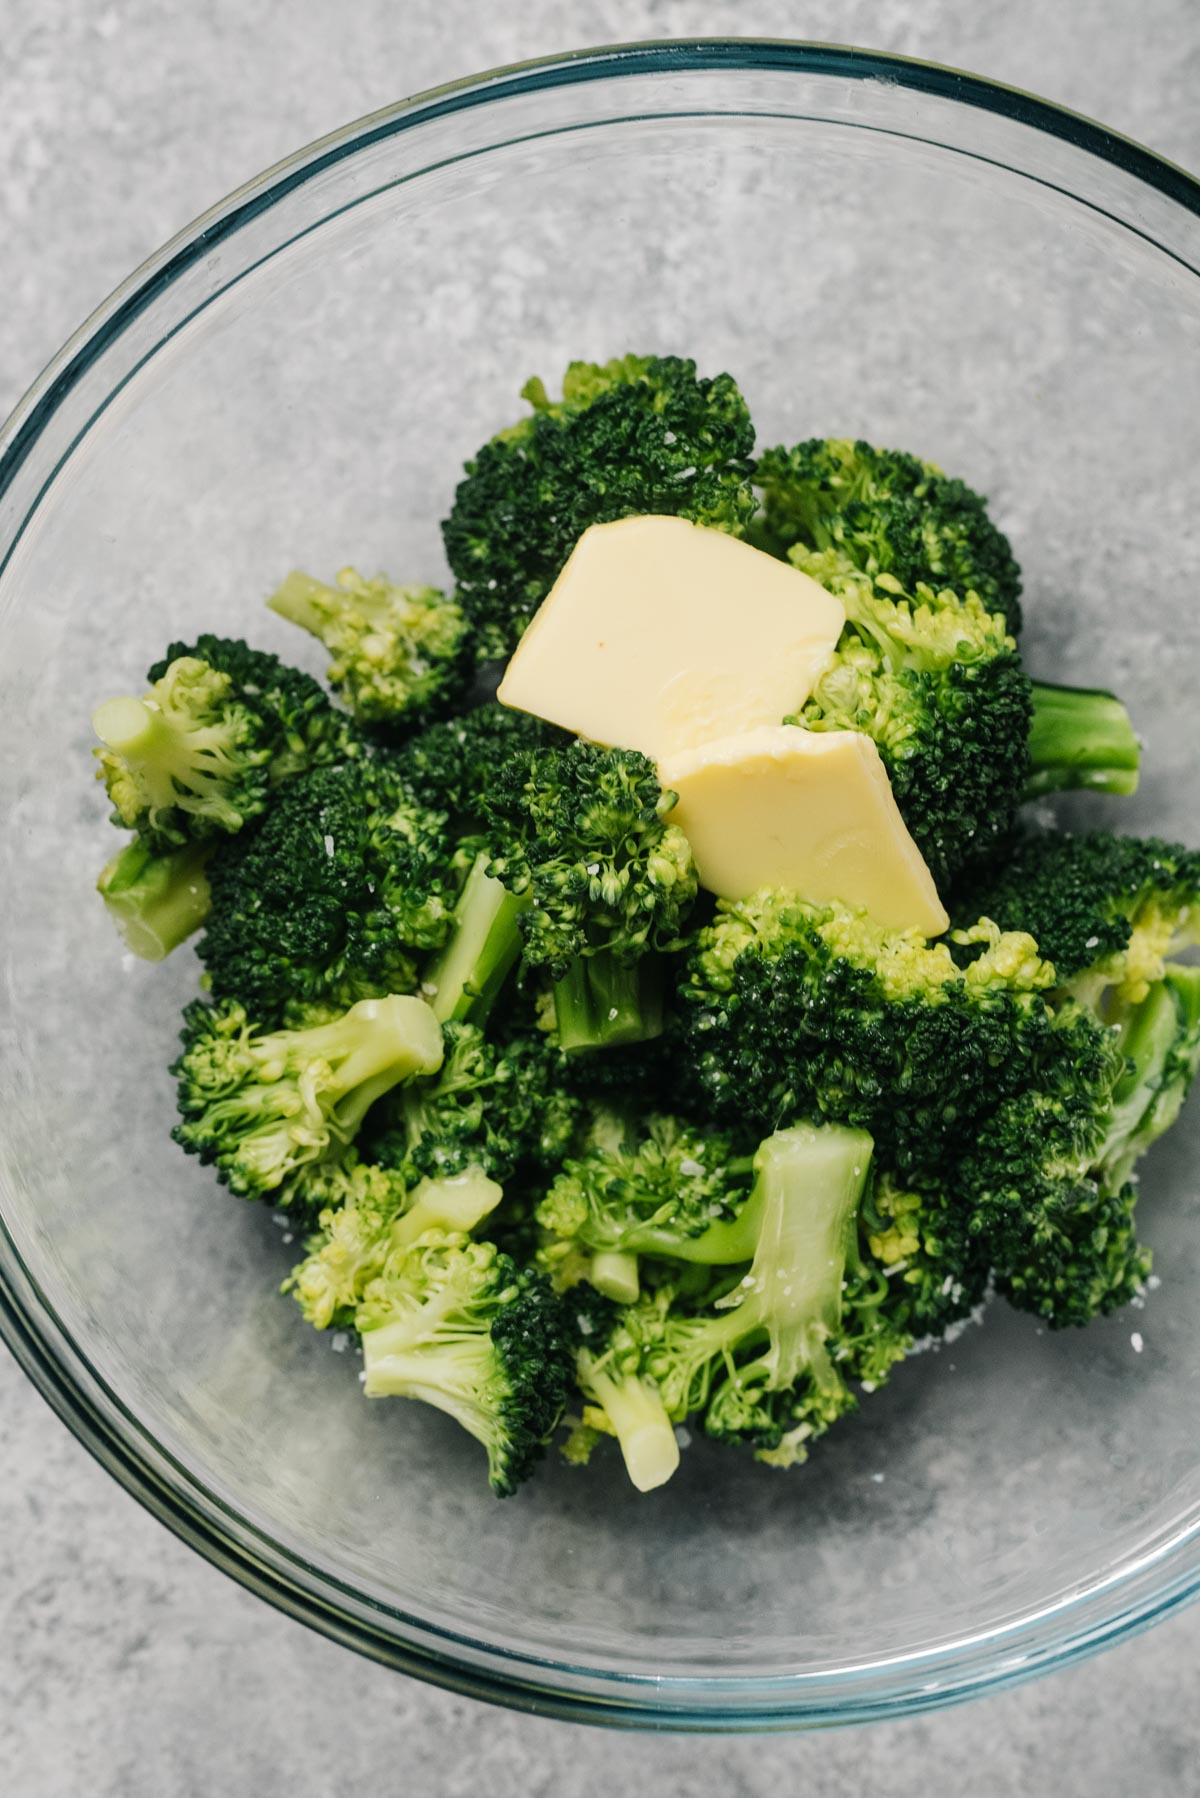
812 1179
295 600
1080 737
602 1002
1161 1042
639 1422
615 1274
468 973
458 1203
156 901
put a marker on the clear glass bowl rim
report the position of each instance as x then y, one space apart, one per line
95 1414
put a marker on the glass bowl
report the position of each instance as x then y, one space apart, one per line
874 247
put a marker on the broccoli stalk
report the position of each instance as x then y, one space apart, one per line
155 899
1160 1043
1080 737
459 1326
484 946
774 1329
269 1110
601 1002
632 1409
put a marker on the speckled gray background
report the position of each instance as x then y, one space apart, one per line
127 1666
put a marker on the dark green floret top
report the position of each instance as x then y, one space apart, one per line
640 434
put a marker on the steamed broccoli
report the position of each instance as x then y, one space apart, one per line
761 1364
269 1109
888 513
398 652
450 766
156 898
458 1325
1048 1177
1106 910
927 664
664 1189
583 831
221 725
793 1008
435 1153
497 1107
935 682
641 434
337 896
365 1212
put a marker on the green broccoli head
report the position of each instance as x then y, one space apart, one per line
639 435
335 897
935 682
583 833
271 1109
888 513
665 1189
501 1108
1062 1242
918 1234
787 1007
450 766
222 724
399 653
1106 910
761 1364
458 1325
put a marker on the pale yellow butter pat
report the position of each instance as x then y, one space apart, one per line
660 634
812 811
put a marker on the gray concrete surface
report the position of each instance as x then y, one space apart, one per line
128 1667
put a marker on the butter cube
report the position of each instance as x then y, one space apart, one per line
811 811
660 634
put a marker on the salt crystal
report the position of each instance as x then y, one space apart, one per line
338 1342
1138 1343
878 1478
682 1436
329 845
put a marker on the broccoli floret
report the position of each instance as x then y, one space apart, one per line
619 1397
399 653
761 1365
583 832
1080 738
935 682
367 1212
267 1109
918 1234
1106 910
499 1108
156 898
639 435
670 1190
221 725
888 513
450 766
1048 1179
338 895
458 1325
1048 1176
792 1008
